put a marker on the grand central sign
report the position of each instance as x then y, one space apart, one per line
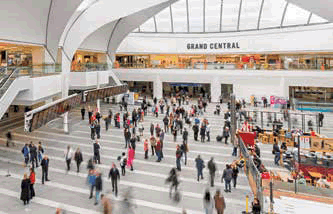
223 45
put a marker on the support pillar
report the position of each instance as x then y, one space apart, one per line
215 90
65 73
158 88
98 86
66 129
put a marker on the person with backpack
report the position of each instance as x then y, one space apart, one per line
212 169
25 152
200 165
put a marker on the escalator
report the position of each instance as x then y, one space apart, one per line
11 83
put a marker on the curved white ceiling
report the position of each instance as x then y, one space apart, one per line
199 16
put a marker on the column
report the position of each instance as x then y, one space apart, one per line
215 90
158 88
98 86
66 69
66 130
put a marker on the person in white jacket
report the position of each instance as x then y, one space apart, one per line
208 203
68 157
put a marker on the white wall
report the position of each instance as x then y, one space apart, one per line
298 39
81 80
245 82
39 88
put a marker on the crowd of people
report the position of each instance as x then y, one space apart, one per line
178 118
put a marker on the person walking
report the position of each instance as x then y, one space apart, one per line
131 155
92 131
25 151
45 169
68 157
158 150
107 208
166 123
195 129
212 169
98 129
208 132
97 157
178 157
127 135
321 118
226 134
152 129
114 175
227 176
219 202
33 155
200 165
152 144
91 180
145 148
174 132
276 152
202 133
185 136
173 180
123 163
108 120
99 186
25 189
235 172
90 114
83 112
78 158
235 146
256 208
208 203
183 149
32 178
40 152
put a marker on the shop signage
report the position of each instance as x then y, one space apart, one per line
223 45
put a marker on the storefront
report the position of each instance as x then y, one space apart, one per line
85 60
190 89
269 61
16 55
141 87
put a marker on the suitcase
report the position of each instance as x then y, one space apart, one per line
219 138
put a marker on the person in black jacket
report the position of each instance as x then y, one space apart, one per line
127 135
83 112
45 168
25 189
98 130
166 124
276 152
185 135
235 172
202 133
33 155
133 142
196 131
151 129
98 186
212 169
114 175
97 157
78 159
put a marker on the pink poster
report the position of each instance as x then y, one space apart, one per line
272 99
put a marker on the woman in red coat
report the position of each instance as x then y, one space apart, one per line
131 154
32 182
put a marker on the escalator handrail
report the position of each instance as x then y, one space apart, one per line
15 71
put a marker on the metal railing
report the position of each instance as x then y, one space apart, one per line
89 67
8 81
252 173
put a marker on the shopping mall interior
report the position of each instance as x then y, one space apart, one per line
256 73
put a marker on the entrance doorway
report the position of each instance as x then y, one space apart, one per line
141 87
193 90
226 91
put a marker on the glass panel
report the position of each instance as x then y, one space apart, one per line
272 13
212 19
163 21
148 26
317 19
195 8
230 15
249 14
179 16
295 16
